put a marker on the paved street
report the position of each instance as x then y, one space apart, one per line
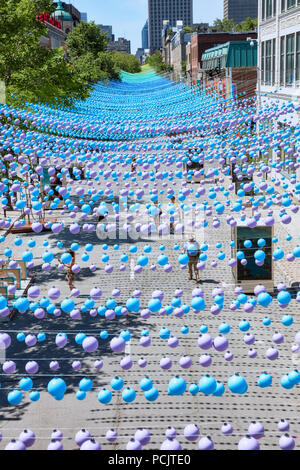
267 406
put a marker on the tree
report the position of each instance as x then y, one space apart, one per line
156 61
127 62
224 25
86 38
53 81
32 72
250 24
20 32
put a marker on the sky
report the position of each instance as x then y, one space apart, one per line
128 17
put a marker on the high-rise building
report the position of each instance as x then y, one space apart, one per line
172 10
108 29
84 17
239 10
121 45
145 36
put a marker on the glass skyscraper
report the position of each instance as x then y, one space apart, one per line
172 10
145 36
239 10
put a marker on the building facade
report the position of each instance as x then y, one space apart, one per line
108 29
230 70
121 45
239 10
179 43
68 15
83 17
279 77
172 10
145 36
200 42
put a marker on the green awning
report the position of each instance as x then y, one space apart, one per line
231 54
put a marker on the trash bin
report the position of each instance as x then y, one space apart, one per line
252 274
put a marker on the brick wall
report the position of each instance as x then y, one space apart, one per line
245 80
203 41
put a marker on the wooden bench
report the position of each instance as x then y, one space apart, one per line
4 283
15 273
22 266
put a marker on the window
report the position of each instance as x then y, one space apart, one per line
274 62
290 59
282 61
262 62
269 8
283 5
291 3
298 57
263 9
268 62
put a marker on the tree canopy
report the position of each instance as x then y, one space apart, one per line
29 71
250 24
156 61
87 53
86 38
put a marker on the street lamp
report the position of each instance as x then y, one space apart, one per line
252 42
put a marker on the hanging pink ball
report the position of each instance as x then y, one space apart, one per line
39 313
82 436
118 344
30 340
75 314
173 342
142 362
37 227
145 341
272 354
76 365
110 314
220 343
98 364
145 314
166 363
95 293
90 344
32 367
126 363
54 365
205 360
54 293
9 367
61 340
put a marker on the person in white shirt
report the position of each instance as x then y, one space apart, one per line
192 249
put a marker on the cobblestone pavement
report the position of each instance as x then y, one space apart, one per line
69 415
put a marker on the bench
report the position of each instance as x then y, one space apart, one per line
15 273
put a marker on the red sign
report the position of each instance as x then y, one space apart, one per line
46 18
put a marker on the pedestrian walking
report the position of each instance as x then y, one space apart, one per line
192 249
70 276
172 218
158 215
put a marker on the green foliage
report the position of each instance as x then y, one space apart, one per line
31 72
127 62
86 38
226 25
52 82
19 34
156 61
249 24
87 45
